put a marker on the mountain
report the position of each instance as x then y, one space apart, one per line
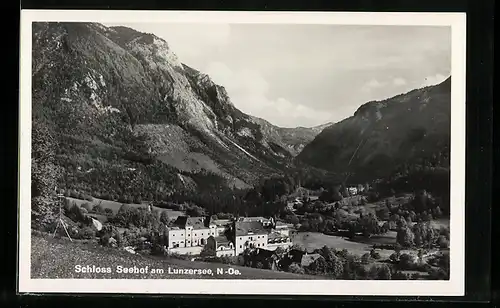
382 135
297 138
293 139
128 116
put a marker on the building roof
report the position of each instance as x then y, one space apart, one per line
195 222
249 227
220 222
307 259
222 240
253 219
276 235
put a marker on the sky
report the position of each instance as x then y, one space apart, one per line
308 75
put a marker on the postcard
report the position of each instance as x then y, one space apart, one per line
295 153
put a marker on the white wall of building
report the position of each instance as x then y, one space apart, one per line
254 241
186 250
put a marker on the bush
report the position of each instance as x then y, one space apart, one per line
76 213
87 233
295 268
406 261
365 259
108 211
375 255
98 209
443 242
87 206
400 276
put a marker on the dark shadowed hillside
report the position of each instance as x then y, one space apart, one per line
383 135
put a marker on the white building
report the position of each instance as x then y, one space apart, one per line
190 232
250 234
190 235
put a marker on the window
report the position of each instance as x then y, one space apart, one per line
195 234
173 234
241 246
240 238
182 234
201 233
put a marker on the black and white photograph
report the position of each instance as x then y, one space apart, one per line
293 153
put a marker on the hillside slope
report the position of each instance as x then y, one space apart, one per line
128 116
382 135
54 258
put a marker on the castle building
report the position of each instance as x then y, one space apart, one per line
190 232
226 237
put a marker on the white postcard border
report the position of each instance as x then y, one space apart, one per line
453 287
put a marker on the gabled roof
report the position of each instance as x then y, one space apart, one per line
253 219
222 240
195 222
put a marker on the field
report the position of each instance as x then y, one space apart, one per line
53 258
359 246
115 206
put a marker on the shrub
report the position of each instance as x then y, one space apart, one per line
295 268
108 211
400 276
406 261
394 257
76 213
87 233
87 206
443 242
164 217
384 272
365 259
375 255
98 209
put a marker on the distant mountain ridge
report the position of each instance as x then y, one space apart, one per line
384 134
128 112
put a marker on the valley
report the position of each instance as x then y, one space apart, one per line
127 134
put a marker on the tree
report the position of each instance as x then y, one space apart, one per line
405 237
98 208
295 268
44 176
443 242
164 217
384 272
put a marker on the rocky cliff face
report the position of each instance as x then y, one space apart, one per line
384 134
120 102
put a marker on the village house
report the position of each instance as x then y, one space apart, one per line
221 245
